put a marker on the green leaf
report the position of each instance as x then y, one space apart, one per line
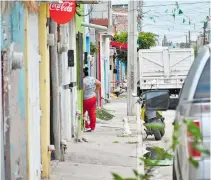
176 127
193 162
149 162
201 149
194 130
136 173
117 177
175 142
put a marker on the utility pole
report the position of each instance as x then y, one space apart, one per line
140 15
132 57
55 90
189 41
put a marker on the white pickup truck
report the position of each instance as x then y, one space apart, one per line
164 68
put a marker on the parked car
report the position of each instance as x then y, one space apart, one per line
194 105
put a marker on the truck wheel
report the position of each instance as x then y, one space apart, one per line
173 103
157 135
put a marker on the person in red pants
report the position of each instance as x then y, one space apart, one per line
91 87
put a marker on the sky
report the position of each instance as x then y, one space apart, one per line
158 18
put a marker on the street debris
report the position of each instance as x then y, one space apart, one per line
84 139
103 114
158 157
126 127
131 142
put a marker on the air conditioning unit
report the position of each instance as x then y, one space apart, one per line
87 2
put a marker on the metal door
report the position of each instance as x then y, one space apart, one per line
34 99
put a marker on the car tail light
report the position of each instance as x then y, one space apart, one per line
192 151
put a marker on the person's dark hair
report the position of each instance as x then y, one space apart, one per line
86 73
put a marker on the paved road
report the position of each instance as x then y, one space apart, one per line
106 152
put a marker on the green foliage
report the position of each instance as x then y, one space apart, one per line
123 56
145 41
162 154
193 162
122 37
93 49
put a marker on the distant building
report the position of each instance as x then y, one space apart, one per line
120 18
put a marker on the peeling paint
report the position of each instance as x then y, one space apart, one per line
15 120
21 94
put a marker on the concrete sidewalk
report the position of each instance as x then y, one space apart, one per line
104 153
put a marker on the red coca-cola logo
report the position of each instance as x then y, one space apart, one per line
64 12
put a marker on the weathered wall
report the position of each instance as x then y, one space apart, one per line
15 140
80 29
1 115
73 73
33 113
44 89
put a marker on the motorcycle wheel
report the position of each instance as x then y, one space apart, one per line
162 132
157 135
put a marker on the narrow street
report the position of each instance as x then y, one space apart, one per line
106 152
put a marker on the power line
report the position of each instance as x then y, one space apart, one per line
175 4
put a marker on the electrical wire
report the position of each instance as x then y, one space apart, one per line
189 14
201 2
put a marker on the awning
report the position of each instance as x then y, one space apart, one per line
122 46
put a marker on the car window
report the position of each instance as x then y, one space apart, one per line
203 87
191 75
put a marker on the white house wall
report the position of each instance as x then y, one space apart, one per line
34 101
65 93
73 72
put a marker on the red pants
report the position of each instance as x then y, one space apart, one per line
90 106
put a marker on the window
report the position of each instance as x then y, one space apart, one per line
185 91
203 87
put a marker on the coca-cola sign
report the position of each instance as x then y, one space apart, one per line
62 13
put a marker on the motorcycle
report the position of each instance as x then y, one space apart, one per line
158 121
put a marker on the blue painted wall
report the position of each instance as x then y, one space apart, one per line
15 32
2 130
123 70
118 71
88 51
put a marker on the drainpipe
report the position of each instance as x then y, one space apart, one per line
55 88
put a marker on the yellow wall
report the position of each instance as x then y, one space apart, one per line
44 89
